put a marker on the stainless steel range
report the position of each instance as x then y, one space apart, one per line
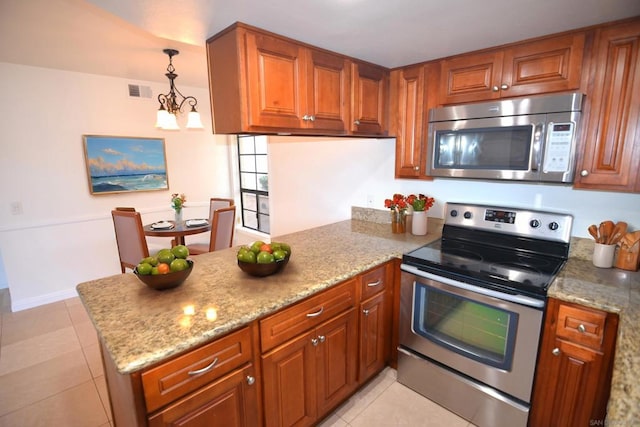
471 310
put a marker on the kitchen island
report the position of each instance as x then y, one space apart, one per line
139 327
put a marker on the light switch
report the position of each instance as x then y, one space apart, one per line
16 208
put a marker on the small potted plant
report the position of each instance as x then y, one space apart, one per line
421 204
177 203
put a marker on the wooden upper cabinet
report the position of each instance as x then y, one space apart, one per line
610 157
261 82
413 92
551 64
328 91
369 105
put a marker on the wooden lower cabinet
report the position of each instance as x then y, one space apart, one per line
573 377
230 401
311 374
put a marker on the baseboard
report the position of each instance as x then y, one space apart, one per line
32 302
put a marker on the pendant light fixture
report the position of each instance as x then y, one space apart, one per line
172 102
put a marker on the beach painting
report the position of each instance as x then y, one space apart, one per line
118 164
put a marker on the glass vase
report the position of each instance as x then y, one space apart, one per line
178 216
398 222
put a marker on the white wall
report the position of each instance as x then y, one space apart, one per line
65 235
316 181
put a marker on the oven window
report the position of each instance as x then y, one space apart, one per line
476 330
496 148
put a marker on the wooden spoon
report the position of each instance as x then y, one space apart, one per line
593 230
619 230
602 236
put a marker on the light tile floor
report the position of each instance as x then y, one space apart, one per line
51 375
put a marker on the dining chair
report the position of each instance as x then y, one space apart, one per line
125 209
222 229
217 203
132 244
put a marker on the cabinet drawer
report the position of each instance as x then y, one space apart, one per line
581 325
373 281
175 378
286 324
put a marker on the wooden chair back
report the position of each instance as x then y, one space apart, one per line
223 225
218 203
132 244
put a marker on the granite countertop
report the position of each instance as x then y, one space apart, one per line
616 291
141 327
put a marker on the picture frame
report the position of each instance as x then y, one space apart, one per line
122 164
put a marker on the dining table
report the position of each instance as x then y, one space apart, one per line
177 230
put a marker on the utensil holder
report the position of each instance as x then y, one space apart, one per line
603 255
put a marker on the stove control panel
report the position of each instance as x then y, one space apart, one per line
515 221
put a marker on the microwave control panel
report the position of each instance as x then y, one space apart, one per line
558 147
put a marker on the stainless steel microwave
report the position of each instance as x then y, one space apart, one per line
523 139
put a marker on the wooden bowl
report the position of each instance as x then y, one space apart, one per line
262 270
165 281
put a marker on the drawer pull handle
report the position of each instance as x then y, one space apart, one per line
250 380
373 284
555 351
317 313
581 328
205 369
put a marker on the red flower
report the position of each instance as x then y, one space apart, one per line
420 202
399 202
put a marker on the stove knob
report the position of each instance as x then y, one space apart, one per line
454 213
553 226
534 223
467 215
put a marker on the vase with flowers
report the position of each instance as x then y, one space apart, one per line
398 205
177 203
421 204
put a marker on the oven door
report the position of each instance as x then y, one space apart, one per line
484 337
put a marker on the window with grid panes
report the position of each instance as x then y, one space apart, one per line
254 182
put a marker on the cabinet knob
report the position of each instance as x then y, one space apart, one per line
250 380
321 338
581 328
416 168
314 341
504 86
365 312
584 172
308 118
556 351
495 88
356 122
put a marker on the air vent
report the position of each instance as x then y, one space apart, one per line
137 91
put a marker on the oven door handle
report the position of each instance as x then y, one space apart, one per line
519 299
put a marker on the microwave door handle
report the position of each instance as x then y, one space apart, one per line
536 151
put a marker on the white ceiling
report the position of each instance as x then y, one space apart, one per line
125 38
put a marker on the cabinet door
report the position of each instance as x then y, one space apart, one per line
275 74
407 119
611 155
231 401
337 360
548 65
369 87
328 83
374 336
471 77
289 377
568 388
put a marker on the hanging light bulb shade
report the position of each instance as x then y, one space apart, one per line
171 103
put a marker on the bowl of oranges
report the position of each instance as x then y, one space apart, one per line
262 259
167 269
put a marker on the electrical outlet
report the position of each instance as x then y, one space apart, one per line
16 208
369 200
